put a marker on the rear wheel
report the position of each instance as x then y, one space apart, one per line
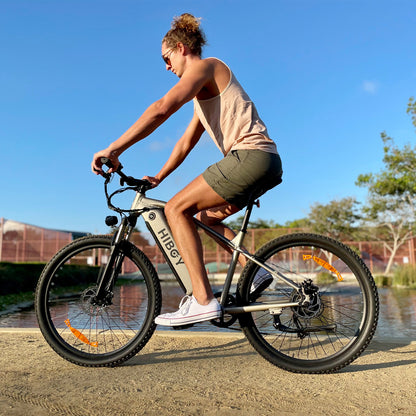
338 310
90 332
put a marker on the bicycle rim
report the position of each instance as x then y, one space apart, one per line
78 329
340 319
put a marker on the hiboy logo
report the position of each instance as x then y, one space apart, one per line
169 244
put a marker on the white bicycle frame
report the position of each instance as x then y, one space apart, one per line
153 214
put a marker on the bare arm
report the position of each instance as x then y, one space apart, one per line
182 148
192 81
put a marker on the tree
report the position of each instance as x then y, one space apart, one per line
260 223
234 224
300 223
337 219
411 109
391 204
136 237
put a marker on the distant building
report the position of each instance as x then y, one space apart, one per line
20 242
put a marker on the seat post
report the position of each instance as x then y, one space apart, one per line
247 215
238 244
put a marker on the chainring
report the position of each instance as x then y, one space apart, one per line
225 321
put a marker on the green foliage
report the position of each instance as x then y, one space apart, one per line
325 278
411 109
264 236
19 277
383 281
405 276
301 223
355 249
260 223
391 201
337 219
255 224
72 275
392 191
235 224
207 241
14 299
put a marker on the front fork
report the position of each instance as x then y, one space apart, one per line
112 269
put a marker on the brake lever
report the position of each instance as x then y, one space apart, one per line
124 179
106 161
106 176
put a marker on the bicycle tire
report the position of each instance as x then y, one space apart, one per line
87 334
342 316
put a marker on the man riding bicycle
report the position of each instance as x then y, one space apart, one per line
251 163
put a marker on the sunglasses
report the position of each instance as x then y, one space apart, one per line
166 56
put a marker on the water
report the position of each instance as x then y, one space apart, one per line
397 313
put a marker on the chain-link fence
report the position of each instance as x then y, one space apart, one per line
26 243
375 254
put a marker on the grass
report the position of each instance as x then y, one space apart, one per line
324 278
7 301
383 281
405 276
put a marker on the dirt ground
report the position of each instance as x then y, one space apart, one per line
188 373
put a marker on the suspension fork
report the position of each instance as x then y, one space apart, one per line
112 269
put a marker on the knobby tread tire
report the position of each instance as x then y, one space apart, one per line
362 273
47 327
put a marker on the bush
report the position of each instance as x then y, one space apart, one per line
383 281
325 278
15 299
19 277
23 277
405 276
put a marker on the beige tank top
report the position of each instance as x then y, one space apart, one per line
232 121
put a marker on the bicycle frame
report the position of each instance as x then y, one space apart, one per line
153 214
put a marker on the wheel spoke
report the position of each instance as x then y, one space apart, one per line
337 321
97 332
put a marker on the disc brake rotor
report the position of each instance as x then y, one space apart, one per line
310 301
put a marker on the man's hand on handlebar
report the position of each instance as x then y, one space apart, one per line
114 166
153 180
97 162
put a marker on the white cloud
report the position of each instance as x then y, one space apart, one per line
370 87
158 145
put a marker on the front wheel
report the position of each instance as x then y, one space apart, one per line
83 330
338 304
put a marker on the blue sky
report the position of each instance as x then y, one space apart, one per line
327 77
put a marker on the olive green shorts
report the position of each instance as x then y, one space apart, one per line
244 174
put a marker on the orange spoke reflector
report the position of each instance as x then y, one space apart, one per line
80 336
325 264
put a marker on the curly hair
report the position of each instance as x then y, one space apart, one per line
186 29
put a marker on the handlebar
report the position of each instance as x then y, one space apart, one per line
124 179
138 185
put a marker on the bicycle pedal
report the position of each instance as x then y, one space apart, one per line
179 327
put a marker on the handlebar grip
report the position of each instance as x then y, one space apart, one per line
106 161
129 180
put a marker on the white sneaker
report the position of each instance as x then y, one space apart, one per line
190 311
262 280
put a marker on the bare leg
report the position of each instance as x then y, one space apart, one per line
195 197
213 217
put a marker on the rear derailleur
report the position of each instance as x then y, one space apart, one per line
309 307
